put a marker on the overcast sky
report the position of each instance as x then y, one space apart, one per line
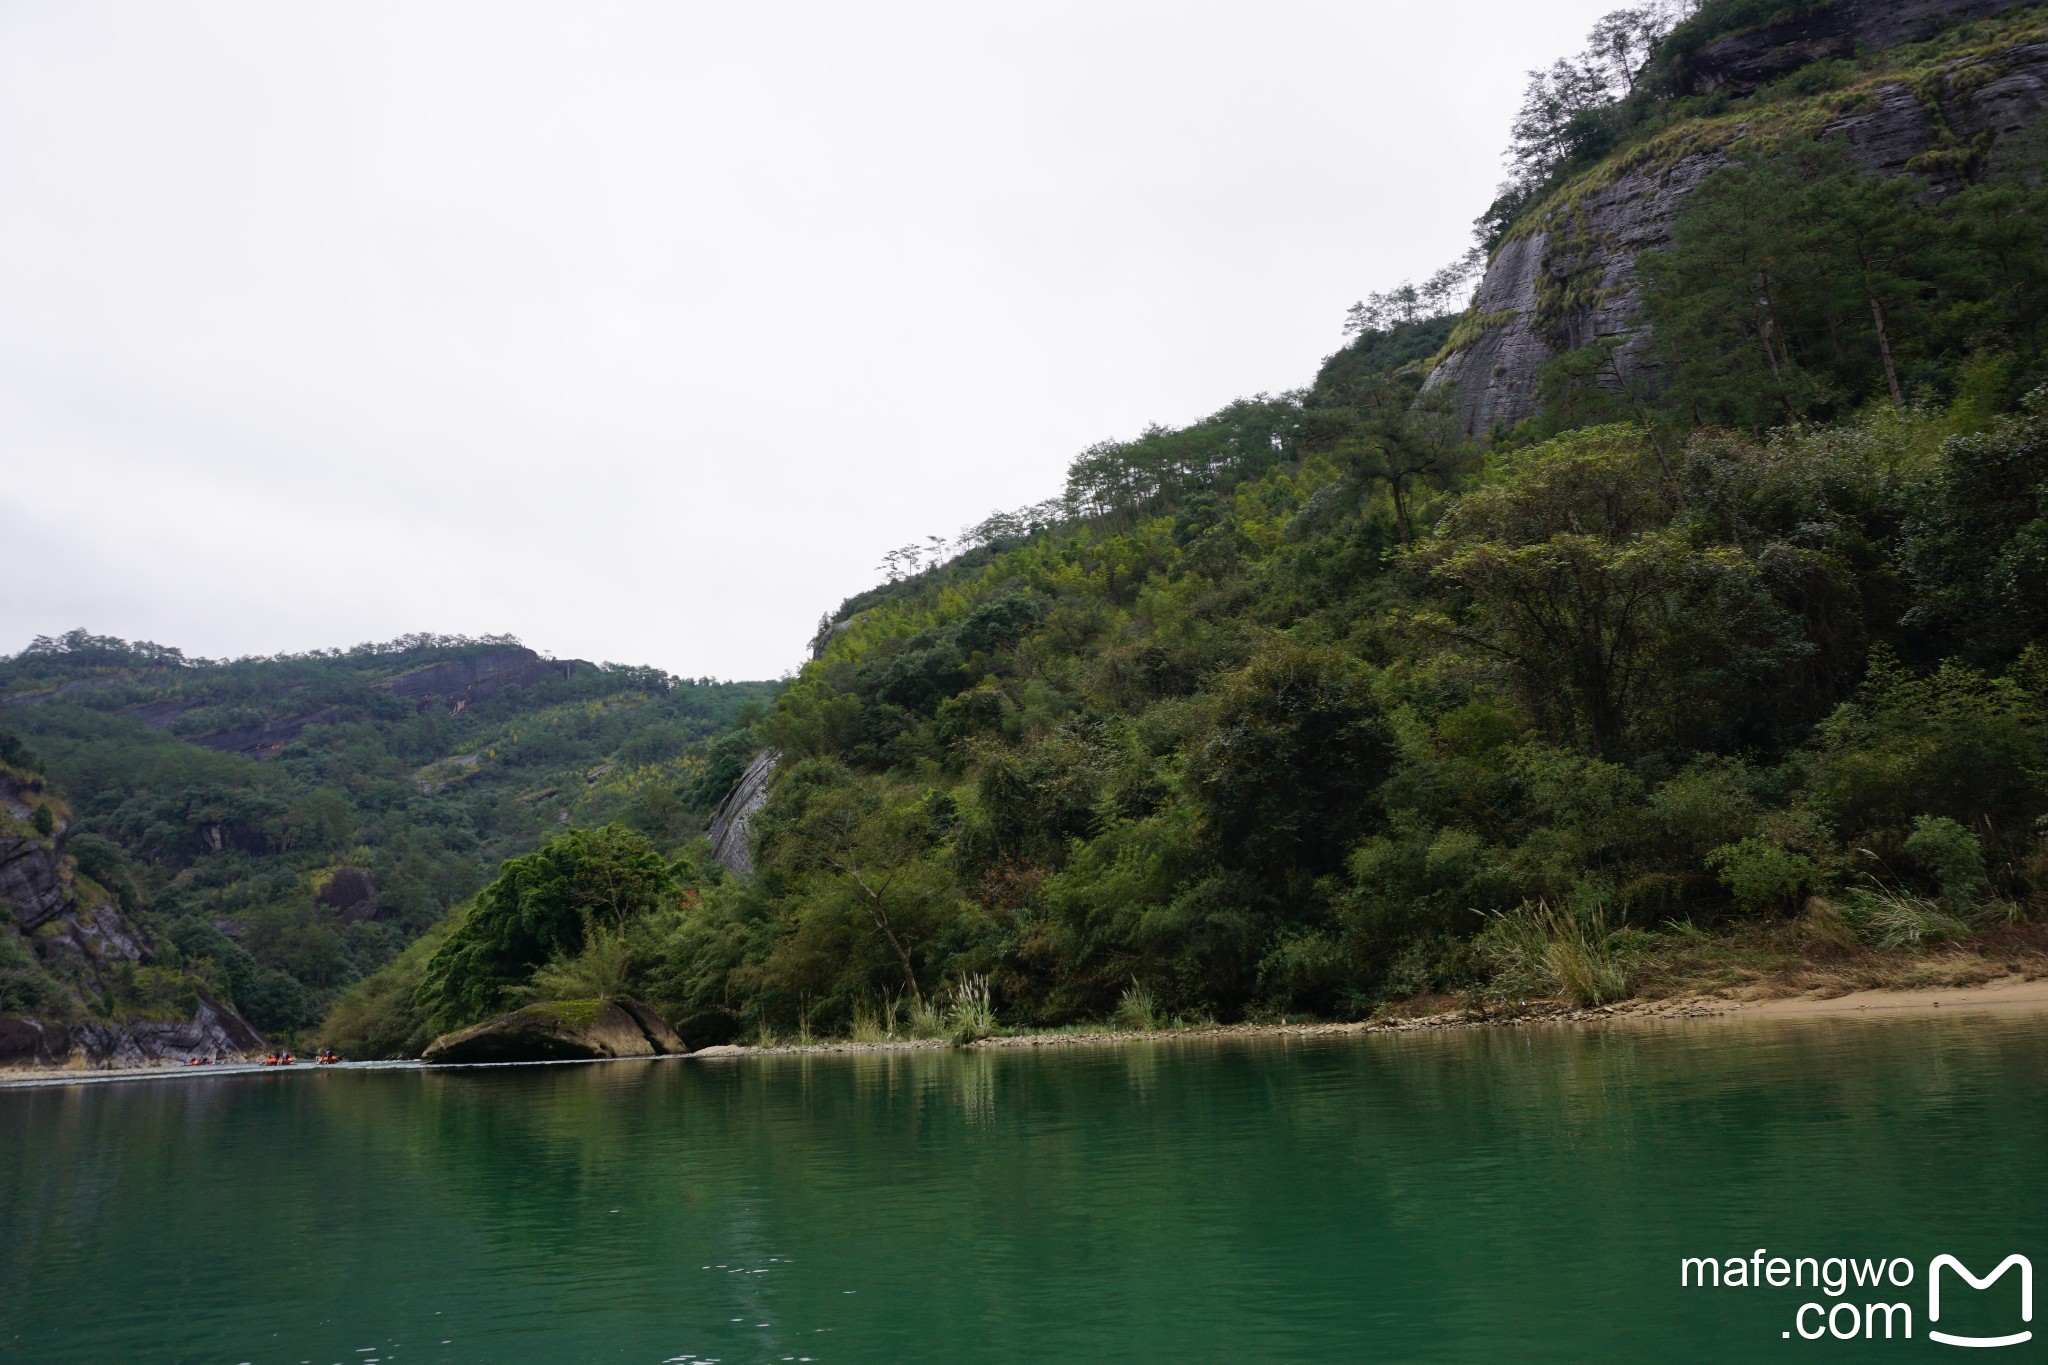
642 330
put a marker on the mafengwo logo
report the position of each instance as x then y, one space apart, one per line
1864 1302
2014 1262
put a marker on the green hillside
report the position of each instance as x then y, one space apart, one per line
283 827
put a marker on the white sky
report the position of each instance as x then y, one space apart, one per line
642 330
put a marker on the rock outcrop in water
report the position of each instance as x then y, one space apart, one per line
565 1031
732 825
1567 278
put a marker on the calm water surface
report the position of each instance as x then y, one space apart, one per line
1492 1195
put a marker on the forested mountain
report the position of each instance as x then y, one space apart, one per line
1676 610
1676 607
264 832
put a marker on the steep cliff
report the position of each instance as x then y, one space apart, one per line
732 825
58 928
1968 103
1837 30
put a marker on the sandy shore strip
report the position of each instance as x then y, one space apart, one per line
2012 993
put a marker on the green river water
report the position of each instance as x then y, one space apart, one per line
1512 1194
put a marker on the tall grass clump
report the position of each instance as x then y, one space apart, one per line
1885 918
872 1025
1137 1011
1537 949
927 1018
971 1016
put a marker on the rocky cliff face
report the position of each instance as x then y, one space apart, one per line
214 1032
461 682
267 739
32 881
1568 278
1741 62
732 825
85 939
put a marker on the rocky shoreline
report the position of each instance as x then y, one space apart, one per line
2008 994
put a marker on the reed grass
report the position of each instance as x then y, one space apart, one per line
1137 1011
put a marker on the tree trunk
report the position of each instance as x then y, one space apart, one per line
902 957
1884 348
881 918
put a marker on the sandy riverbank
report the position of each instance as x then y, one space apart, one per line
2008 994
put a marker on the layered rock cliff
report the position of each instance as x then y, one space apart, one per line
732 825
79 936
1741 62
1566 277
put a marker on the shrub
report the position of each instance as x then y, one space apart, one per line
1952 856
541 907
1763 875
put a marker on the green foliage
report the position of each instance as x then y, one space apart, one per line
1288 774
1763 875
1614 625
1798 287
604 968
1952 856
1978 551
44 820
546 905
1954 743
17 755
25 986
380 1017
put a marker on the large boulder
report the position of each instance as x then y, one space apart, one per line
351 893
561 1031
